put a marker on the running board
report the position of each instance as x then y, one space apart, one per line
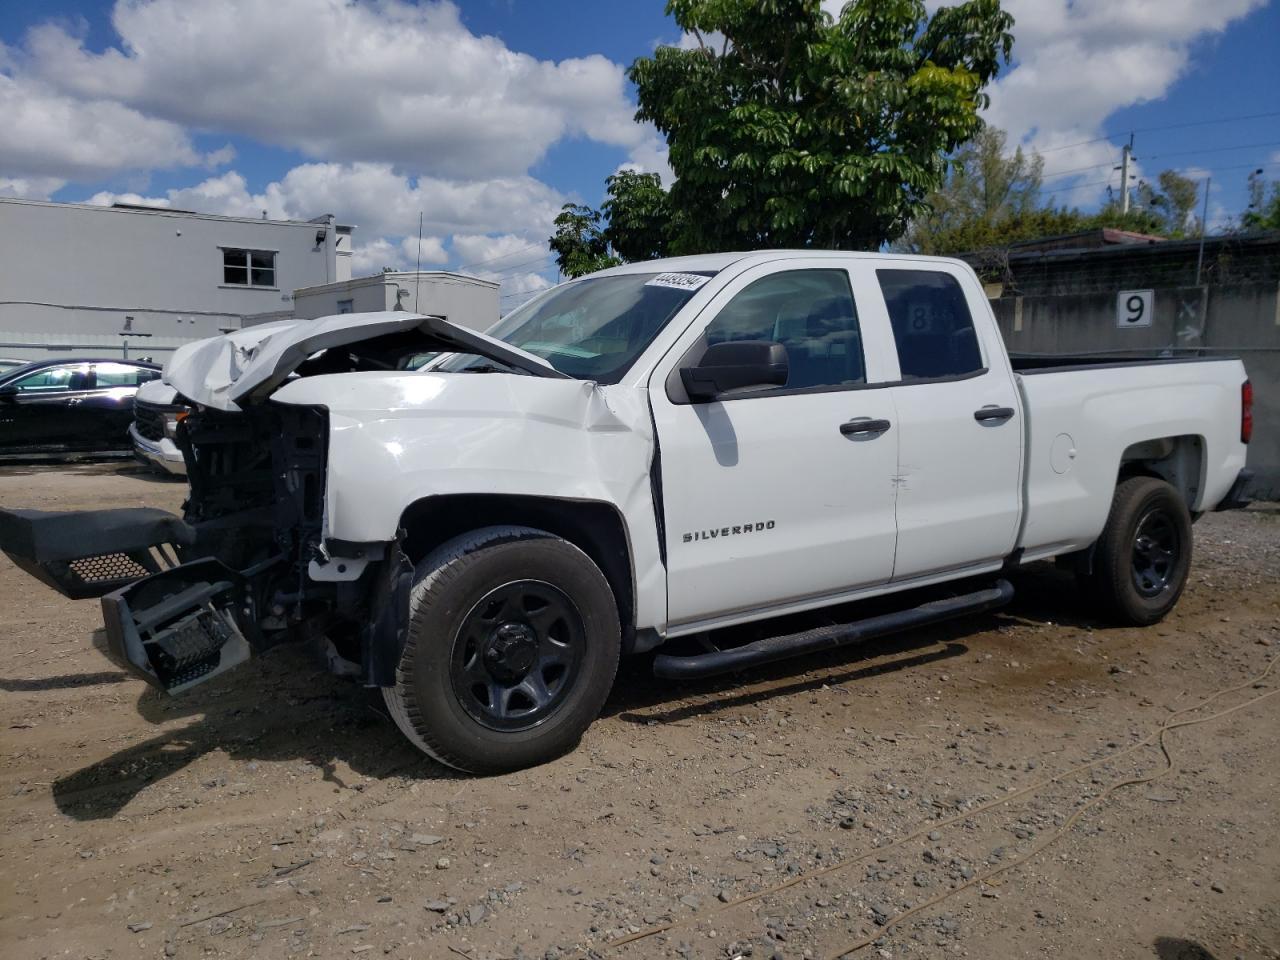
772 649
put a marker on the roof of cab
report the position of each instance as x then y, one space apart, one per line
716 262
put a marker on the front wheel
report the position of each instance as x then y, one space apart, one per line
1141 561
512 647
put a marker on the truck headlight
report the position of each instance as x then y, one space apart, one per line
171 421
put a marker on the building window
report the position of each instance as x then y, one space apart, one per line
346 306
248 268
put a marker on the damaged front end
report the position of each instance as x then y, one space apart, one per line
186 599
247 566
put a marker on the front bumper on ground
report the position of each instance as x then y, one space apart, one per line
171 624
163 453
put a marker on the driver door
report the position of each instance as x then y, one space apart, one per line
767 501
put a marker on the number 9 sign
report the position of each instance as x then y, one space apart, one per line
1133 308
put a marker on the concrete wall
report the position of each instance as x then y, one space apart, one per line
71 275
1240 319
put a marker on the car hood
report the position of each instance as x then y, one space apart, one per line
245 366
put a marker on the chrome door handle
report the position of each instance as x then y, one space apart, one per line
993 413
864 425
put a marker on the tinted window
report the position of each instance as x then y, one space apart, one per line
248 268
811 313
122 375
54 380
592 329
931 324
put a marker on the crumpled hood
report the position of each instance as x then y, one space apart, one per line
246 365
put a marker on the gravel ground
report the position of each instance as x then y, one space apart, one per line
276 812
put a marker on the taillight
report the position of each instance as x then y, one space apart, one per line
1246 411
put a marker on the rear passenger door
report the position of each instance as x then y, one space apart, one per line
959 419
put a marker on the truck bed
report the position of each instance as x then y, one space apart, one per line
1090 418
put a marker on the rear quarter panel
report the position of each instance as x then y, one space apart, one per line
1081 421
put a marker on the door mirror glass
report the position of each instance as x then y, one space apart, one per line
736 365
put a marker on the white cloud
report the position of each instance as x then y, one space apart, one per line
381 81
1079 61
30 188
48 134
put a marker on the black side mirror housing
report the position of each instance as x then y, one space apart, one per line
8 392
736 365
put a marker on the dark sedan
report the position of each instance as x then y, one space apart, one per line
61 406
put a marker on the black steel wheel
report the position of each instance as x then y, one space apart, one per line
1156 546
1140 563
512 647
517 654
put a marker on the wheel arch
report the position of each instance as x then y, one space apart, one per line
595 527
1180 461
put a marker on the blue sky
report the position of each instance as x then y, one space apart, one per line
490 114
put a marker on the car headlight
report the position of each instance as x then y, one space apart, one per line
171 421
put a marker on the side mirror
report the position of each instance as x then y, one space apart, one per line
8 391
736 365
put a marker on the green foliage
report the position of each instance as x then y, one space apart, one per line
988 197
639 215
579 242
1264 204
799 130
992 199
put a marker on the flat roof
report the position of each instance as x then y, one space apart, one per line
149 211
396 276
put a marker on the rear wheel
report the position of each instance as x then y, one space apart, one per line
512 647
1141 561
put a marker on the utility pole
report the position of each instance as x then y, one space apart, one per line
1204 223
1126 154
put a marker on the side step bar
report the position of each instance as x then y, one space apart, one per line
783 647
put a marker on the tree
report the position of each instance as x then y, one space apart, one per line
988 193
796 129
1264 204
639 215
1172 205
579 242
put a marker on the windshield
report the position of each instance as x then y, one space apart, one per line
591 329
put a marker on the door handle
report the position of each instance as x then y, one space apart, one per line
993 413
864 426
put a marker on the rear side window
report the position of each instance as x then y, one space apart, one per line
122 375
932 326
811 313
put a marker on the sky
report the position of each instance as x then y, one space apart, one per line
486 116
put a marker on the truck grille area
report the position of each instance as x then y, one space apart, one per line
149 419
257 493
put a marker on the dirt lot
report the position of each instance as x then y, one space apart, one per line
276 812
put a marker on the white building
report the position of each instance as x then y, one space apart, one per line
466 301
79 278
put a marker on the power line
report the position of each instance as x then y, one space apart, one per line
1157 156
1167 126
503 256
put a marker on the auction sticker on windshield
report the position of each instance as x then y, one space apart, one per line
678 281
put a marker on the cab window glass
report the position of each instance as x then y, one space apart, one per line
932 326
122 375
811 313
54 380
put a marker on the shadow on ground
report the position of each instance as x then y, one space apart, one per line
283 707
1176 948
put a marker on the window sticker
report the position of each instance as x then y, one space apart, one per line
678 281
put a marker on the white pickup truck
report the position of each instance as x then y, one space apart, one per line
652 452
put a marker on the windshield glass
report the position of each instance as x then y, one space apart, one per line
591 329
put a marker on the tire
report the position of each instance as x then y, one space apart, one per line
512 647
1133 581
